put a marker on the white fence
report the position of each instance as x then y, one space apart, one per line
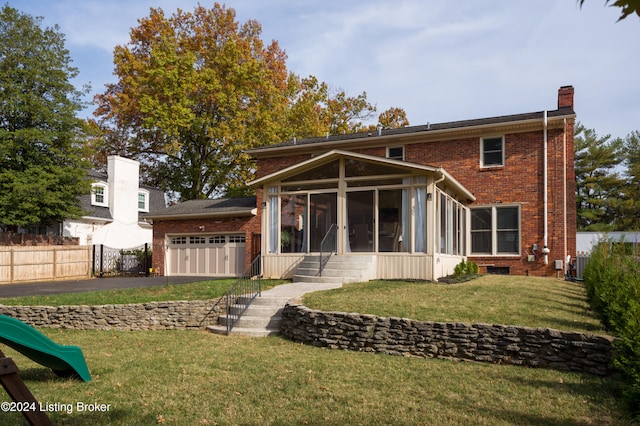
39 263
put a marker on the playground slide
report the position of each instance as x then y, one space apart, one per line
63 360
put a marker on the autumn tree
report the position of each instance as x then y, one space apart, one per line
393 118
41 171
195 90
599 186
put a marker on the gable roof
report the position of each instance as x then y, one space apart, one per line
335 154
514 122
209 208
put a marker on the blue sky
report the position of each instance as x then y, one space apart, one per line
438 60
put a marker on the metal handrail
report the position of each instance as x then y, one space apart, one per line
329 237
241 294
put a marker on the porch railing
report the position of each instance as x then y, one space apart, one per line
241 294
328 244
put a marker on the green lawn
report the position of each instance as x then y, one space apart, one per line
193 377
202 290
493 299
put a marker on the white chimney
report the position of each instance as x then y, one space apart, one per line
123 189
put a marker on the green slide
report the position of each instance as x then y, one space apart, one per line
65 361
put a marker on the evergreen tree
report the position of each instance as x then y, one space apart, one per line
41 170
600 189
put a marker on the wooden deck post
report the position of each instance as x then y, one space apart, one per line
18 391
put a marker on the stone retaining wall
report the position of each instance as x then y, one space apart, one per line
135 316
498 344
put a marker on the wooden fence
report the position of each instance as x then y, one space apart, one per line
39 263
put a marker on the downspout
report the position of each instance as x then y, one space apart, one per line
564 183
545 197
435 224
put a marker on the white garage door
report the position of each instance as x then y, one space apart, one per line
206 255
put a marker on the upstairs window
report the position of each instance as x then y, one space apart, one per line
99 196
492 152
395 153
143 201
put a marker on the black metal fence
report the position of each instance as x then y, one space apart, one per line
108 261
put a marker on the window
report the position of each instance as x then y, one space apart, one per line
236 239
452 226
143 201
197 240
492 152
99 196
179 240
495 230
217 239
395 153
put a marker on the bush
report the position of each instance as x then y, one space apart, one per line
466 267
612 281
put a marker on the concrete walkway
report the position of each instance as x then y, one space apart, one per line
297 290
262 318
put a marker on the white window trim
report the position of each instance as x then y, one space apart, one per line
482 165
494 232
392 147
146 200
105 192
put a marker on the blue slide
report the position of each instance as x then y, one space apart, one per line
65 361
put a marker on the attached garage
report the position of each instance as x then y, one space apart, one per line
206 255
208 238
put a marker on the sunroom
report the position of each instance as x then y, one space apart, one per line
412 219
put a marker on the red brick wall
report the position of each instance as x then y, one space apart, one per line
162 228
519 181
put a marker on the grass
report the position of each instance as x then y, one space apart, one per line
202 290
493 299
193 377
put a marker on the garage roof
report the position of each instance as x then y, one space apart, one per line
209 208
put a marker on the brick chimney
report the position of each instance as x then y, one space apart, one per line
565 97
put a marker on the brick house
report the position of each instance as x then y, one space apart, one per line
417 200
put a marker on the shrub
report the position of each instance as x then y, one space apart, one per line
465 267
612 281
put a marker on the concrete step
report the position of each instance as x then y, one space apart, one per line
253 322
263 301
238 331
332 272
256 310
323 279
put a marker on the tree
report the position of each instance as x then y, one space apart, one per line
600 192
628 7
41 170
393 118
347 112
195 90
631 206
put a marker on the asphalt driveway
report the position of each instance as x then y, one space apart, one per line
78 286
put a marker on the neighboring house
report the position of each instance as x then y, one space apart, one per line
115 206
417 200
